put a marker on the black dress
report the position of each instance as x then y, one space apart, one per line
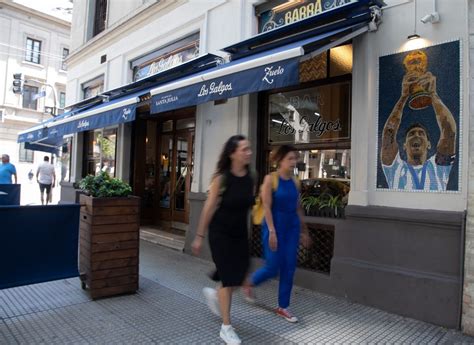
228 231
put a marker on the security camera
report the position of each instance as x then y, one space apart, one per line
430 18
426 19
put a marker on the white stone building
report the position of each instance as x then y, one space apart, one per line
34 44
401 244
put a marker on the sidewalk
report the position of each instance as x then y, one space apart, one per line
169 308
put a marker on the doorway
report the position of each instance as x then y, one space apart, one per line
164 160
176 168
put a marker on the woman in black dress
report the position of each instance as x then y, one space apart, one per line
226 213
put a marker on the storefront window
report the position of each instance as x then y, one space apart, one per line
322 164
316 120
66 151
100 151
313 115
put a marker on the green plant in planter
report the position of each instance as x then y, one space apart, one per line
309 203
104 186
332 202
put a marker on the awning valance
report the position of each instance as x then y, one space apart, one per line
39 132
111 113
88 115
275 68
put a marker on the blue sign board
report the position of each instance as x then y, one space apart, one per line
40 244
292 12
266 77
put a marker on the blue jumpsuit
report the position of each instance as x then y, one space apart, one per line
287 226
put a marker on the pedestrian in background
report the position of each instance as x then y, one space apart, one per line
226 214
7 171
281 230
46 178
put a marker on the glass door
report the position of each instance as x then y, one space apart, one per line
176 155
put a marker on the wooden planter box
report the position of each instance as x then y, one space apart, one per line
109 245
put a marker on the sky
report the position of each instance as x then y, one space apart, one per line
57 8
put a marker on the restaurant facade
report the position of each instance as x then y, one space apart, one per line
374 95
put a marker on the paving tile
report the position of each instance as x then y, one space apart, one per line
169 308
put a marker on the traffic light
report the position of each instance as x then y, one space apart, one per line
17 83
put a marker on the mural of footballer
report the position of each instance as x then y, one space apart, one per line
418 172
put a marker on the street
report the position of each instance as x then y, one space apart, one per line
169 308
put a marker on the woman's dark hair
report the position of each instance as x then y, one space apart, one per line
224 163
280 153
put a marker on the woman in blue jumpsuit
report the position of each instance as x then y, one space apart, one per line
281 229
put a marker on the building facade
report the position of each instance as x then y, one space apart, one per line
380 114
34 46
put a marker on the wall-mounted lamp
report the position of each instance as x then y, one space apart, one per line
413 37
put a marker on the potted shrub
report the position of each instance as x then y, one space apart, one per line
109 236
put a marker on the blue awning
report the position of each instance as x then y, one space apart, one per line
107 114
88 115
39 132
50 145
267 70
50 132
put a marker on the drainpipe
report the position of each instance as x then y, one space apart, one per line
462 261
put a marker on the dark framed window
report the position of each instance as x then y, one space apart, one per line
30 98
93 87
166 57
62 100
65 55
100 151
100 16
25 156
33 51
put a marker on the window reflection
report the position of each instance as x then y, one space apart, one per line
66 152
165 172
101 151
312 115
321 164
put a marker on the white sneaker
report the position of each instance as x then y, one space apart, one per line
211 298
229 336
